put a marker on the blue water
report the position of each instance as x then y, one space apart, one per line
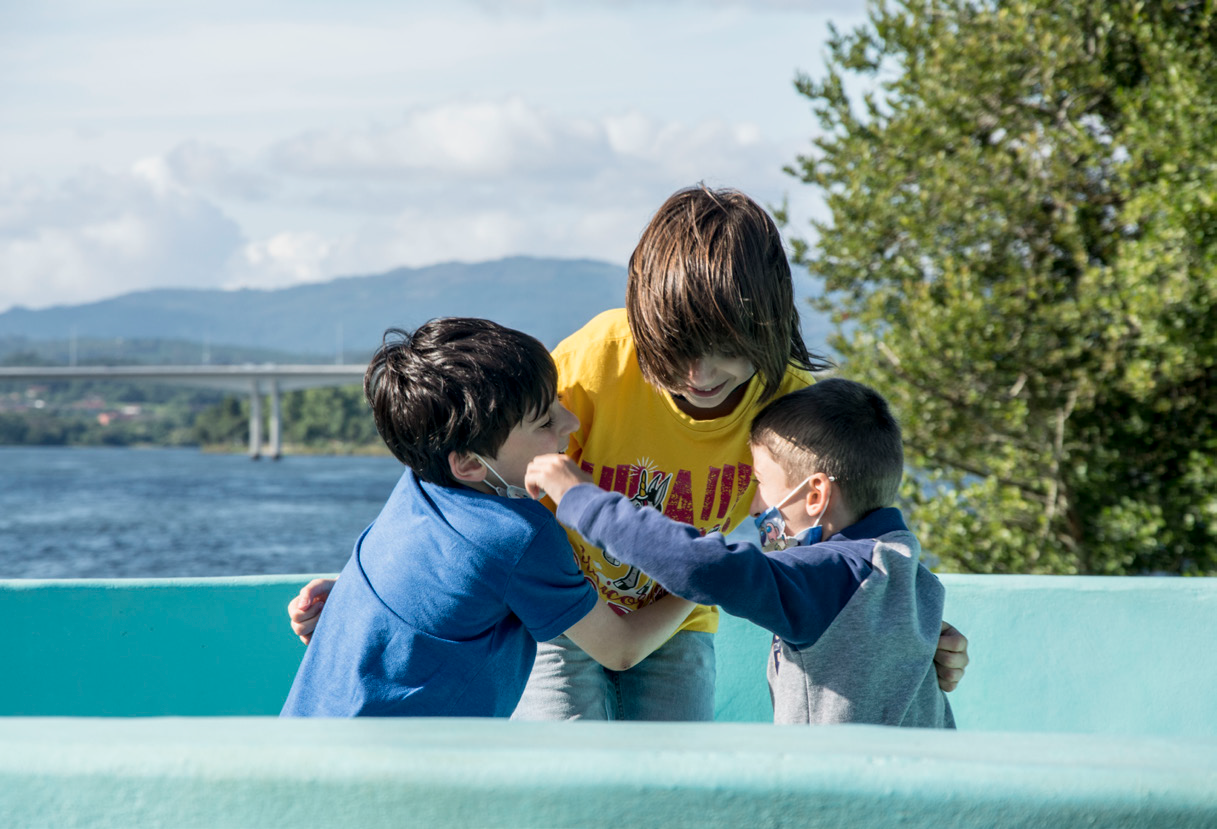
128 513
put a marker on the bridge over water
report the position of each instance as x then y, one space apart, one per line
256 380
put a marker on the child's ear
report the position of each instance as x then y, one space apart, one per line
465 467
817 494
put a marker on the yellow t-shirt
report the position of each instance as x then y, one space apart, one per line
633 439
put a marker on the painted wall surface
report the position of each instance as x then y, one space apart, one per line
1121 656
1130 660
131 647
263 772
1051 653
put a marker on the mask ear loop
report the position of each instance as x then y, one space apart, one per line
506 490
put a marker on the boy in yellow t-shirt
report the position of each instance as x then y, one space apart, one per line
665 391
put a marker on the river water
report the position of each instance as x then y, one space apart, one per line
129 513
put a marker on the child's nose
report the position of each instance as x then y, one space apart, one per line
757 506
700 372
568 422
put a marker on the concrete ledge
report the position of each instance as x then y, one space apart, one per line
264 772
1129 660
1121 656
1089 654
138 647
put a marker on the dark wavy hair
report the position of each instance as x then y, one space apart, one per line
455 384
708 276
841 428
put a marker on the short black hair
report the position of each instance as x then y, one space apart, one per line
841 428
455 384
710 275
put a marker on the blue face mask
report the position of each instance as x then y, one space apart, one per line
506 490
771 526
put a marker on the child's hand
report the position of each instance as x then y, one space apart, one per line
951 657
305 609
553 475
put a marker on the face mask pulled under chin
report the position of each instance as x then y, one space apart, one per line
506 490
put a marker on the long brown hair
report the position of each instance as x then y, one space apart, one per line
710 276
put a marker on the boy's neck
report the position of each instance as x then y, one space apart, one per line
834 520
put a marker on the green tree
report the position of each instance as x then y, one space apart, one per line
225 423
1022 255
336 415
335 419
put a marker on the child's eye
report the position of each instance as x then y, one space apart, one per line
548 423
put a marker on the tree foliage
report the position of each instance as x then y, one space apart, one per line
327 419
1022 255
335 419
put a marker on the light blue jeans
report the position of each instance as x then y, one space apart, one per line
675 683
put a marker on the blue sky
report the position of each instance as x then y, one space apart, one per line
237 144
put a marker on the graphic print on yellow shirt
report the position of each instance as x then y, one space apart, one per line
623 586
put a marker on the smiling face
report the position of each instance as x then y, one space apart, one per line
542 435
713 385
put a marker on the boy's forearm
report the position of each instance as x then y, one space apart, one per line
647 628
619 642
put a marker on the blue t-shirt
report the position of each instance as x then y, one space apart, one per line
439 609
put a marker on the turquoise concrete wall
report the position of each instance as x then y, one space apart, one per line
1086 654
261 772
1121 656
146 647
1131 661
1052 653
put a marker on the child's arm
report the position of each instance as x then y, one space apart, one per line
796 594
705 569
616 641
619 642
796 603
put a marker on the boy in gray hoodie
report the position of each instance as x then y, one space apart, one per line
836 576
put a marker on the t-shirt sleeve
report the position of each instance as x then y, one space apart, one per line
575 397
547 591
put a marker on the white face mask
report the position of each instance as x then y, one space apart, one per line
506 490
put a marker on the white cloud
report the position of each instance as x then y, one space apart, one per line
469 181
97 235
509 138
526 7
282 260
521 148
212 169
485 179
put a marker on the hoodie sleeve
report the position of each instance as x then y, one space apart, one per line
795 593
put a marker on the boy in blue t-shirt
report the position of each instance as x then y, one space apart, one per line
837 576
442 603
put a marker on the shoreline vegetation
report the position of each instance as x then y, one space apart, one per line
334 448
333 420
322 421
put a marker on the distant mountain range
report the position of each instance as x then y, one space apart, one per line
346 317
